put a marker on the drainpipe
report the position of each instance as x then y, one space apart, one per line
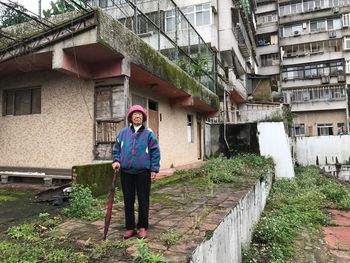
225 139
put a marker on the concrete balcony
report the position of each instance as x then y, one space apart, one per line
319 13
268 7
267 50
267 28
311 58
297 83
269 70
306 37
334 104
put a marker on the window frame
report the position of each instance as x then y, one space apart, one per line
13 111
190 128
199 8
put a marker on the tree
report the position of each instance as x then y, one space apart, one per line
9 16
62 6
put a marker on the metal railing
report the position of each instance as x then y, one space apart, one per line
163 25
253 113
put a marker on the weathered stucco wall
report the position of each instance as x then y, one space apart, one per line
175 150
311 119
235 230
61 136
332 148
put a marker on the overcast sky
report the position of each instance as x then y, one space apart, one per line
33 5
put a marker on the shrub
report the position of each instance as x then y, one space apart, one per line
82 204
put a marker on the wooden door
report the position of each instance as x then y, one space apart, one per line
199 140
153 120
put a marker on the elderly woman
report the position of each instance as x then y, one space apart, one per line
136 153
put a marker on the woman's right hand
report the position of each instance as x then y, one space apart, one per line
116 165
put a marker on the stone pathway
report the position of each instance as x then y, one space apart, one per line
337 237
190 209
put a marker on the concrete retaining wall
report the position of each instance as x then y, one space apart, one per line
235 230
273 141
325 149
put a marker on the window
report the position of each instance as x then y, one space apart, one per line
190 138
145 26
270 60
346 20
197 15
316 26
296 8
284 10
139 100
170 20
341 129
299 129
346 42
347 68
202 14
313 70
324 129
309 6
333 23
267 18
292 30
22 101
324 93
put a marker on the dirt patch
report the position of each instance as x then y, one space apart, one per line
18 204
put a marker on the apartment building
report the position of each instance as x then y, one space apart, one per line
307 43
215 34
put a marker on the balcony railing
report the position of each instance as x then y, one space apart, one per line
325 93
162 25
253 113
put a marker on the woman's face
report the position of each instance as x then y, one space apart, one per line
137 118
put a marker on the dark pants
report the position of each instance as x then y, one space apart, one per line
139 184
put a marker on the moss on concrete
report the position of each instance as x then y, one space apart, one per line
98 177
114 35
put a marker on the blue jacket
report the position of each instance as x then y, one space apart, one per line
138 151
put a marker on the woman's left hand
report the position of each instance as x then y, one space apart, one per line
153 175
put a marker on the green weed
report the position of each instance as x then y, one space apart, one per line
83 205
169 238
295 203
145 255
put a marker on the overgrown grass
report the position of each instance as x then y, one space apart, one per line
299 202
226 170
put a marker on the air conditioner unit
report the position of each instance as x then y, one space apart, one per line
325 79
336 10
296 33
304 25
332 34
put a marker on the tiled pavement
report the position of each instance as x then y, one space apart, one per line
338 237
192 211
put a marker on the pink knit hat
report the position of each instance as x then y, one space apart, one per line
137 108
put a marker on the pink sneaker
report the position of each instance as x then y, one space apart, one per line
129 233
142 233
